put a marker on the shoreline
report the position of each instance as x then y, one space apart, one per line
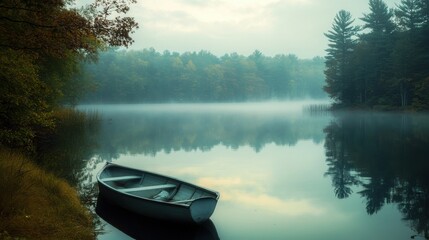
35 204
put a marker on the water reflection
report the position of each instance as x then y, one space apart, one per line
269 166
385 155
149 129
139 227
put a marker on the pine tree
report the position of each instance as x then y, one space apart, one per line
424 11
409 15
378 42
406 52
339 84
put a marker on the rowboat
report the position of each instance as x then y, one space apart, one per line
156 196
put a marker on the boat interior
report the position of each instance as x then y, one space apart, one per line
151 186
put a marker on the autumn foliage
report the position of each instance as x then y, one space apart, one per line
41 46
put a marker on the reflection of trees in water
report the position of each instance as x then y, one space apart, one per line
153 133
76 148
339 163
88 190
414 204
386 156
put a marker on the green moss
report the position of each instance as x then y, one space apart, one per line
37 205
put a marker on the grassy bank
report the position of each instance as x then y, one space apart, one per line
37 205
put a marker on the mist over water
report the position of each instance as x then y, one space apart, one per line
282 172
277 107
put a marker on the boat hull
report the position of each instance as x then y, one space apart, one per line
138 226
196 211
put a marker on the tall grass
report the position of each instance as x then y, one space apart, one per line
37 205
317 108
74 139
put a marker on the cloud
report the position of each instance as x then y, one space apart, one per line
177 16
289 207
255 198
219 26
242 26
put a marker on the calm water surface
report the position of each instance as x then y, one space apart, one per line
282 172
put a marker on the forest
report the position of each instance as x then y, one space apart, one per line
150 76
384 63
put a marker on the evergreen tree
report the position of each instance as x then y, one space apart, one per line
422 90
379 20
405 54
379 43
409 15
389 64
339 84
424 11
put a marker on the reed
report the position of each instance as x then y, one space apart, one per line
317 108
70 117
62 150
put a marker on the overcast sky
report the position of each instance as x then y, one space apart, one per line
242 26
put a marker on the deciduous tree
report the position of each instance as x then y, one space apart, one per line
41 46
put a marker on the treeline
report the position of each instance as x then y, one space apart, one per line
385 62
150 76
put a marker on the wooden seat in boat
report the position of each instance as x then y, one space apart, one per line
145 188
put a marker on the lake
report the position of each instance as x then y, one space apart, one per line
283 171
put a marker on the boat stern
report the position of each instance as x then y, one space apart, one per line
201 209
